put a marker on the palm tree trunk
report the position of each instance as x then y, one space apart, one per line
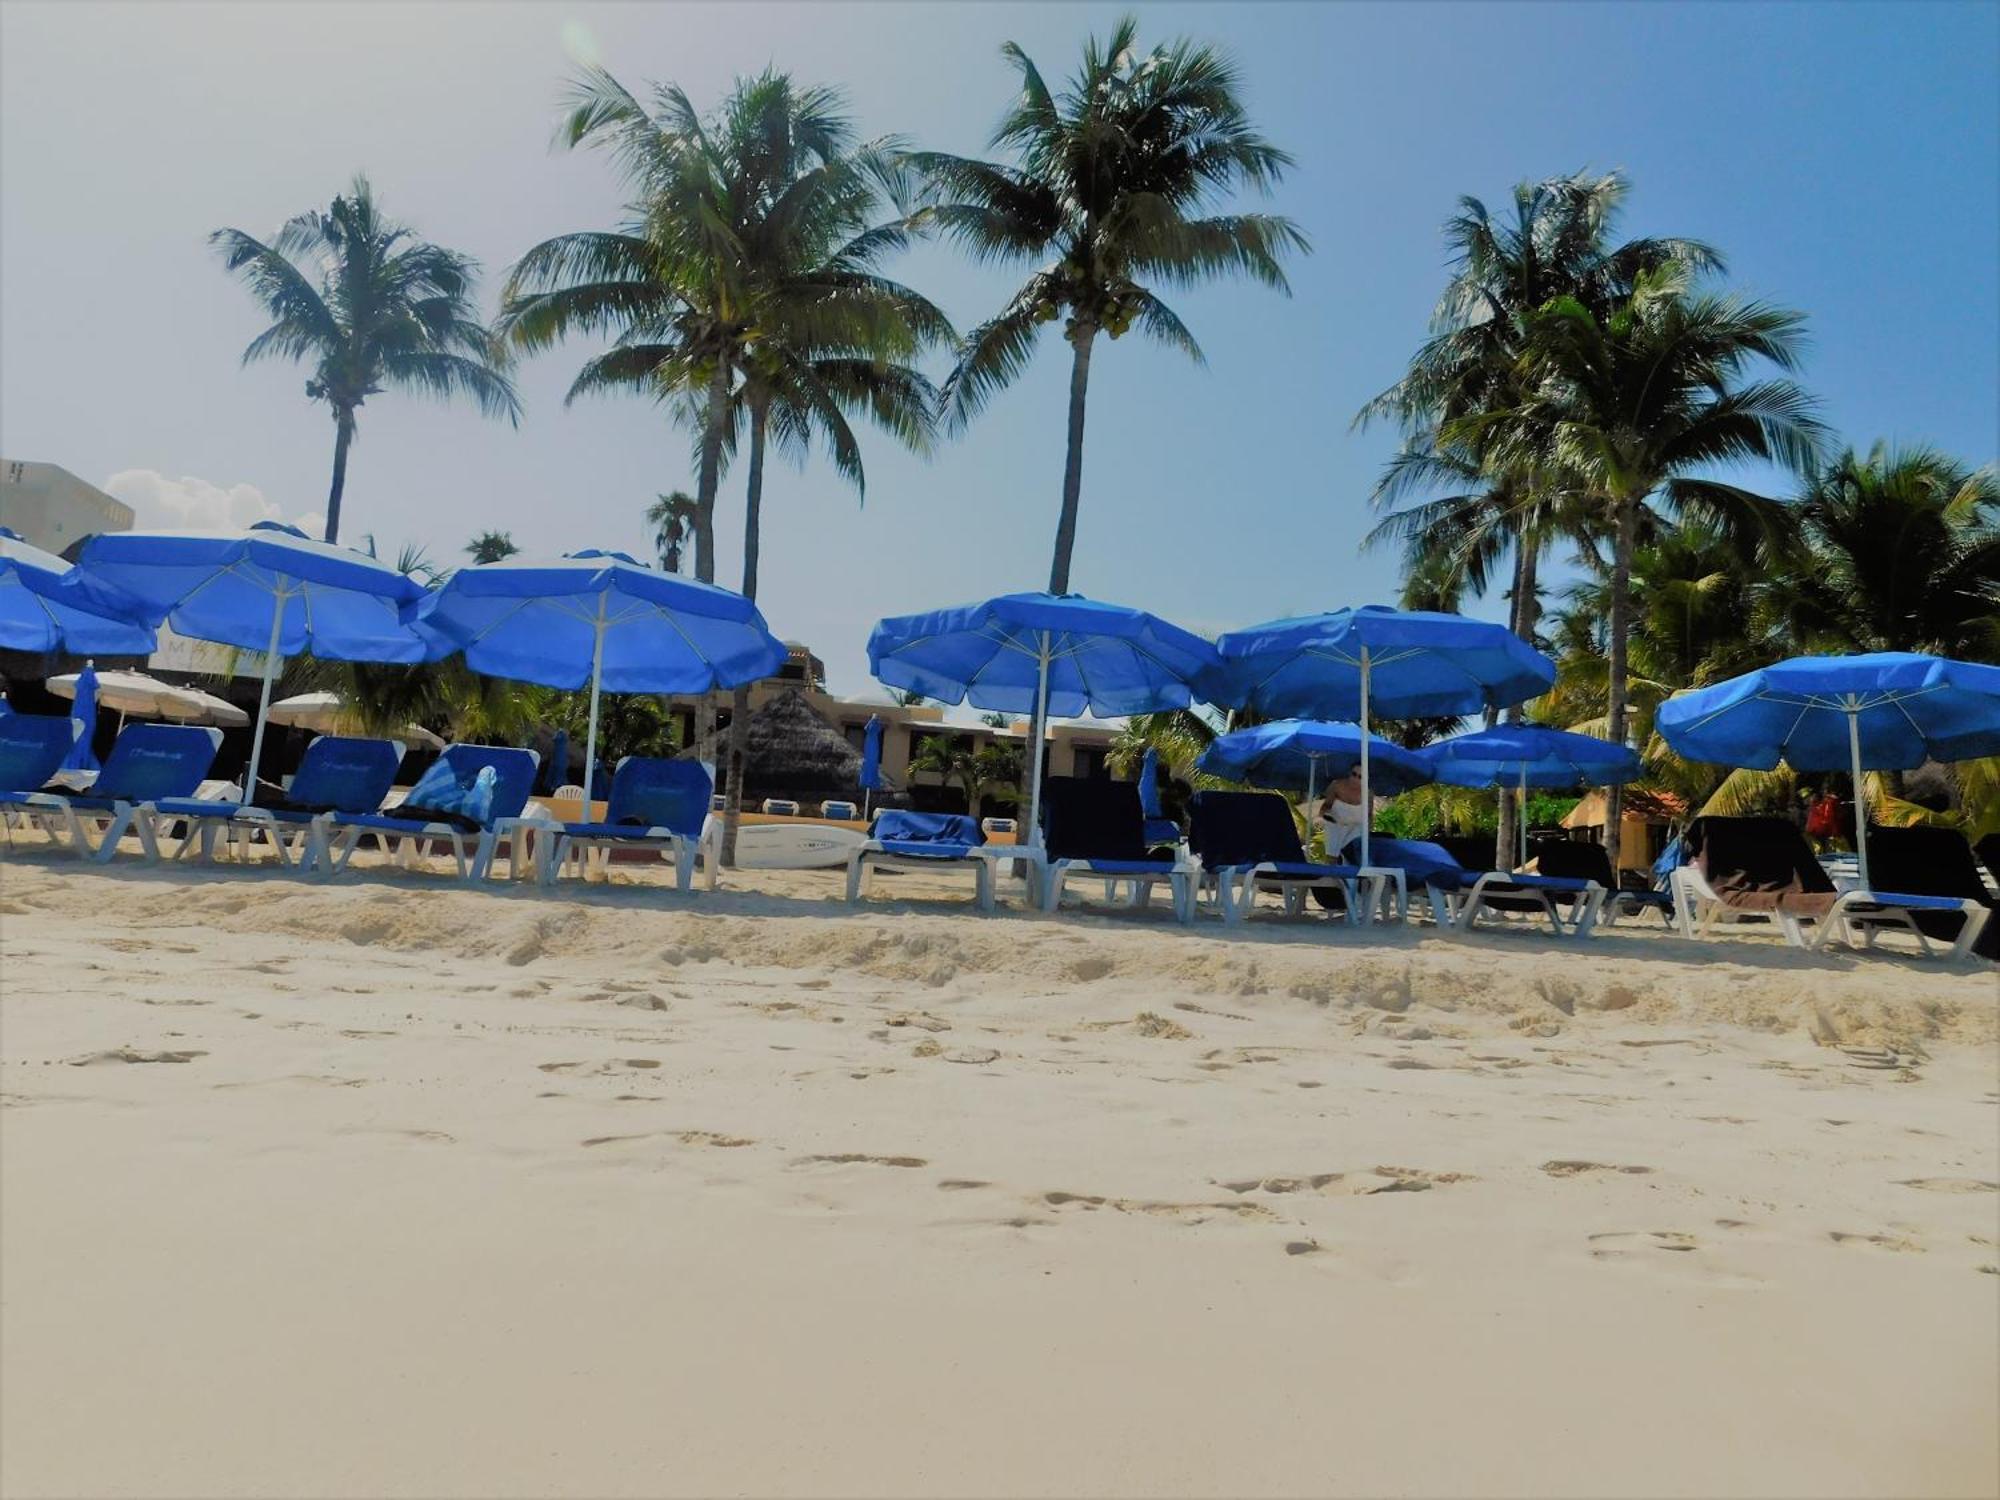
1624 539
1507 840
1079 384
739 704
706 481
343 434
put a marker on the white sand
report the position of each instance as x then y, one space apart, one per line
434 1192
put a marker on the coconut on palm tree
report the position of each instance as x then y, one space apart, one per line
1110 190
372 308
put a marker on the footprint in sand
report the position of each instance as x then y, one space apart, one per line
685 1137
1578 1168
961 1184
857 1158
1352 1185
1620 1244
1950 1184
1893 1242
615 1065
132 1055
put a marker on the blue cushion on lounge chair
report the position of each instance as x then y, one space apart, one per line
650 791
1132 866
32 748
151 761
336 774
953 829
1419 860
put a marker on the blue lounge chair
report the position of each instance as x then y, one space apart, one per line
1459 897
929 842
33 748
1247 842
1093 826
411 832
149 763
655 803
336 774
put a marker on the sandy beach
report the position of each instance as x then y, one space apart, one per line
387 1187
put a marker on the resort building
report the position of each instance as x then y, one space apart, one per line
50 508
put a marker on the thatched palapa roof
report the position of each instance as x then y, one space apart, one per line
793 753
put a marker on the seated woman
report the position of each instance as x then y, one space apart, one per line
1341 814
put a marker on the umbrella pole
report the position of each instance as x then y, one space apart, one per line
1038 728
264 697
590 741
1521 817
1367 801
1860 796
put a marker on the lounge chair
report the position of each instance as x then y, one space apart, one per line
1743 870
1094 826
655 803
1575 860
1988 850
413 832
149 763
928 842
33 748
336 774
1935 862
1459 897
1247 842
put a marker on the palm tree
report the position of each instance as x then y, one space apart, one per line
1109 188
1556 244
1632 407
372 307
671 519
491 546
1898 551
990 771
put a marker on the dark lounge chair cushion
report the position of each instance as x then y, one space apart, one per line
1760 864
1228 830
1092 819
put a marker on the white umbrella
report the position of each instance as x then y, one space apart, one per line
149 698
329 714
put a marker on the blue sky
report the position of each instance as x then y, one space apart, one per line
1845 157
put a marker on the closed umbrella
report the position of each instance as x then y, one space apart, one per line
605 619
1528 755
1356 663
1042 654
81 757
270 589
1149 783
1879 711
144 697
871 761
47 605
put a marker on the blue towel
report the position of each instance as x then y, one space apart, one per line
440 796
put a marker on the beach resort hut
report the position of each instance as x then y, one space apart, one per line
1650 817
794 755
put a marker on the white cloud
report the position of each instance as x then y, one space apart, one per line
191 503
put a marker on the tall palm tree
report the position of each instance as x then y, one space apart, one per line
671 519
1111 186
1633 407
491 546
1898 551
744 289
373 308
1557 243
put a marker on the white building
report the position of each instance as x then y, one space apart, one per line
52 509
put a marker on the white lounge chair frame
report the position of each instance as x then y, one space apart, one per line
554 846
1051 876
1369 892
983 860
1461 909
333 847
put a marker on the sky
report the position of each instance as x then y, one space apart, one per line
1845 157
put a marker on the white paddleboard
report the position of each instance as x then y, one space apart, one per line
792 846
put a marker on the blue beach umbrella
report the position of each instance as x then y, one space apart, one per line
1149 783
84 710
1528 755
871 760
47 604
1357 663
602 618
1042 654
1292 753
271 589
1880 711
